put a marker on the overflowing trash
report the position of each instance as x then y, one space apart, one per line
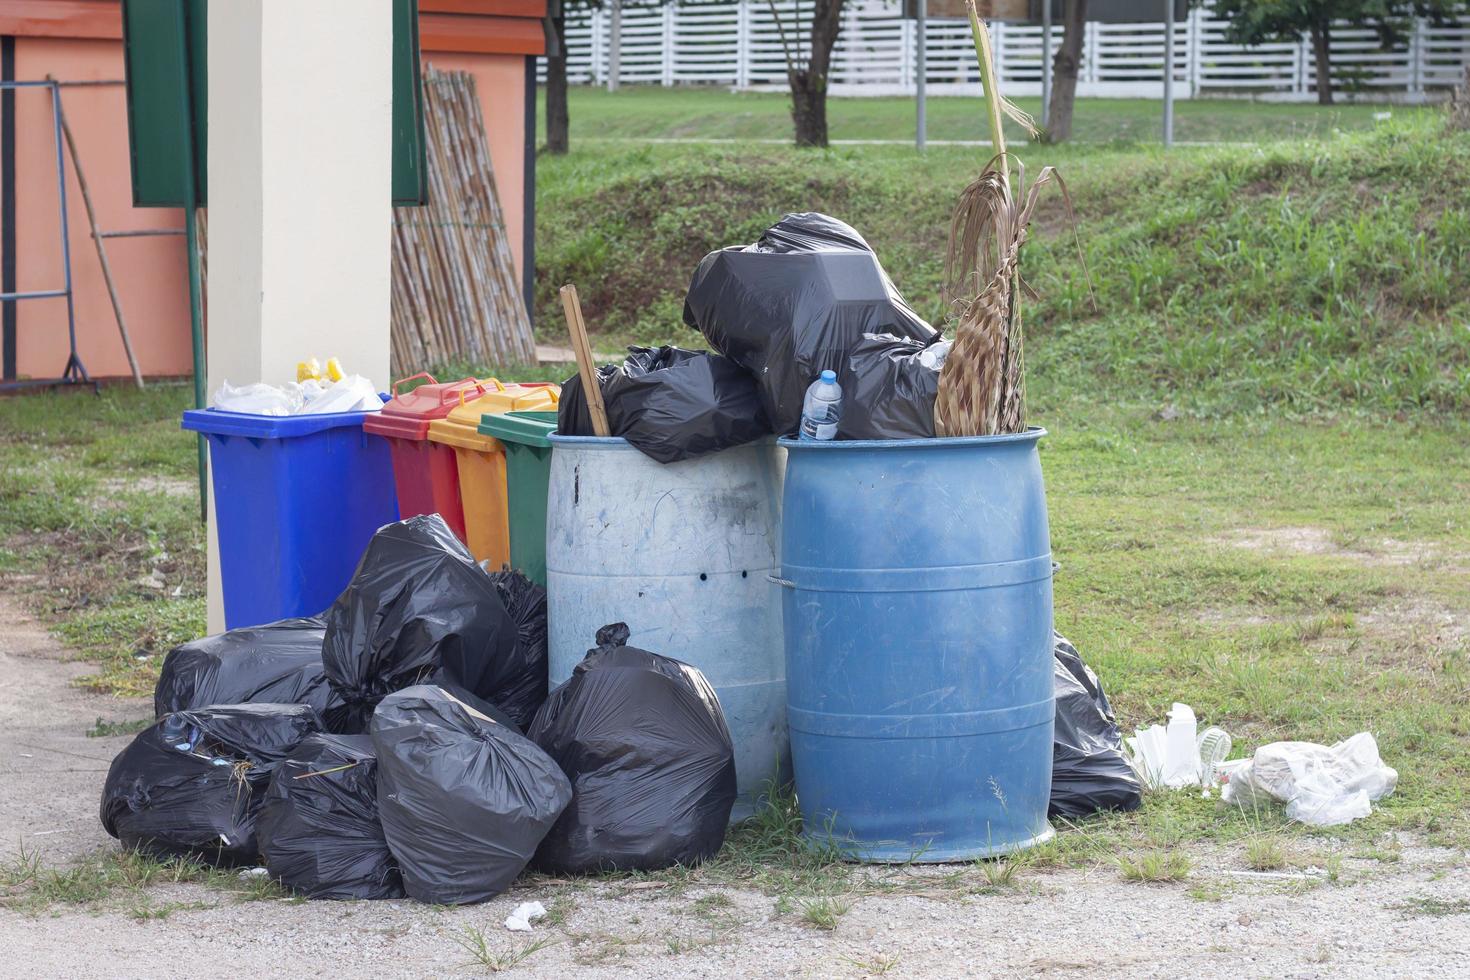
318 828
670 403
191 784
1321 785
643 740
279 663
796 303
891 383
419 609
1089 771
353 393
464 800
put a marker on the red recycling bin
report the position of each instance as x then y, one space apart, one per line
426 474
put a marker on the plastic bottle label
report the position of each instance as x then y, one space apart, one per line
823 431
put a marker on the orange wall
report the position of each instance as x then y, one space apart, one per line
500 81
150 272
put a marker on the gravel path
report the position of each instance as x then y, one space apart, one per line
1408 918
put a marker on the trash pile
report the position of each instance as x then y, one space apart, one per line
316 391
378 751
1319 785
807 297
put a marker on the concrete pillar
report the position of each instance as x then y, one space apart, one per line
300 194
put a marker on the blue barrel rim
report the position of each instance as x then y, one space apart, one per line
1033 433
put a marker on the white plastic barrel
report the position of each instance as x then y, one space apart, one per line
682 553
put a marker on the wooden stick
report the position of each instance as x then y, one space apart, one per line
577 327
122 325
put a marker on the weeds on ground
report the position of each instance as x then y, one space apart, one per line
874 966
1424 905
1155 866
824 912
474 942
109 729
1265 854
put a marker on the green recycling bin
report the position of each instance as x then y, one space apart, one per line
527 442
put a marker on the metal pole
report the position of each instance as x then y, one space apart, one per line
73 364
921 69
191 234
1168 72
615 46
1045 63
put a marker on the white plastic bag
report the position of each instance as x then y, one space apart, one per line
353 393
1321 785
259 399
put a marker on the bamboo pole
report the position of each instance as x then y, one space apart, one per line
586 367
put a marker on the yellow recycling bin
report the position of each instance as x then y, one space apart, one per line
481 460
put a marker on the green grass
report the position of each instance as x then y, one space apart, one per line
650 112
99 524
1155 867
1303 277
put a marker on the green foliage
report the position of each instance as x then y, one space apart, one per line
1304 278
1258 21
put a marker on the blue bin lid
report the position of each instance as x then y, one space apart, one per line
211 421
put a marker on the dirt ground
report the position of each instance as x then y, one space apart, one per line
1406 917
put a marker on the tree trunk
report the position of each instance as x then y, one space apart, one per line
1322 54
809 83
1065 67
558 125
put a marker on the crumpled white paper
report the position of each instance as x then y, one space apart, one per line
527 912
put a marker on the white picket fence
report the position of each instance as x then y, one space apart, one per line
737 43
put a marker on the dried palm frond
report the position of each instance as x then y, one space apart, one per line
982 384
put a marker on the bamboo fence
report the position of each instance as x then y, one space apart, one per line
455 292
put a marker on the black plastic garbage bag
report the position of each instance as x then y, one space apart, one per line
464 801
418 609
644 742
888 388
524 690
1089 771
670 403
318 825
191 784
794 304
278 663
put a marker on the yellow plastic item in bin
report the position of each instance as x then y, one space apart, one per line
333 370
481 461
308 369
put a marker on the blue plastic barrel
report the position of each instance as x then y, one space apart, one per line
296 500
684 554
918 617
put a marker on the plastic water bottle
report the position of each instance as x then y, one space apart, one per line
822 408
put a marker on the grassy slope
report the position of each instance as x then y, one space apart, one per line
650 112
1301 276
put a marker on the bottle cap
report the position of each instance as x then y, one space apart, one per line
830 377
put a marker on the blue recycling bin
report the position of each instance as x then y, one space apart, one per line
296 499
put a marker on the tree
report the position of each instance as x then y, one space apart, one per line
808 78
558 120
1066 65
1259 21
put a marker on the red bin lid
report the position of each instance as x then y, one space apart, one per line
407 416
